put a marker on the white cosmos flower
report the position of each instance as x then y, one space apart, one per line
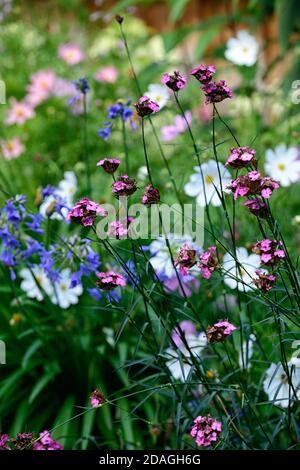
246 352
211 179
179 361
243 49
240 274
158 93
161 260
276 383
282 164
35 283
63 294
68 187
65 193
142 173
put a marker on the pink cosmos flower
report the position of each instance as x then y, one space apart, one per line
110 280
187 327
270 251
151 195
171 132
109 165
253 184
241 157
186 259
124 186
203 73
19 113
206 430
97 398
70 53
85 211
41 87
145 106
216 91
264 281
107 74
219 331
12 148
175 81
46 442
208 262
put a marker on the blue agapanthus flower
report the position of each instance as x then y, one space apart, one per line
115 111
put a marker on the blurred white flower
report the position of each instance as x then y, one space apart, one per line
64 194
158 93
179 362
35 283
211 187
243 49
63 294
239 275
276 384
246 352
68 187
283 165
142 173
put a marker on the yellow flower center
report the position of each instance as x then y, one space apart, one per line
245 50
63 286
209 179
281 167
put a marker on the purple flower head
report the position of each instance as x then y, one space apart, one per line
35 224
85 211
110 165
46 442
216 91
206 430
186 259
203 73
82 85
151 195
145 106
117 229
264 281
4 438
175 81
187 327
241 157
257 207
208 262
97 398
253 184
119 110
270 251
219 331
124 186
110 280
105 132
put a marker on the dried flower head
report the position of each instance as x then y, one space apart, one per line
85 211
174 81
270 251
109 165
110 280
124 186
264 281
186 259
219 331
257 207
208 262
151 195
203 73
145 106
253 184
216 91
241 157
206 430
97 398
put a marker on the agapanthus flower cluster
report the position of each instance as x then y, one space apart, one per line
186 258
203 73
110 280
151 195
264 281
109 165
253 184
124 186
46 442
175 81
257 207
208 262
241 157
85 212
270 251
97 398
119 110
206 430
219 331
145 106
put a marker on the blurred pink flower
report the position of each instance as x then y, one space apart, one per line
169 133
19 112
70 53
41 87
12 148
108 74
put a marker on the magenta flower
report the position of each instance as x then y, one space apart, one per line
253 184
110 165
4 438
208 262
46 442
116 229
97 398
270 251
187 328
203 73
241 157
124 186
206 430
145 106
219 331
176 81
216 91
85 211
257 207
186 259
110 280
151 195
264 281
